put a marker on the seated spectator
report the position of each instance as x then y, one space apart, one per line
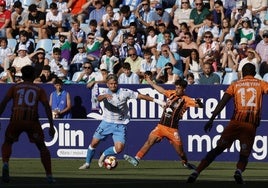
42 5
191 79
148 64
46 76
19 18
77 36
208 77
167 40
151 39
242 49
87 74
22 59
160 15
134 60
226 32
5 18
39 61
93 45
93 28
116 37
5 54
142 13
109 60
64 43
166 75
127 76
24 40
229 56
252 57
77 62
53 22
36 20
97 12
150 75
58 65
100 77
138 36
193 64
186 46
126 17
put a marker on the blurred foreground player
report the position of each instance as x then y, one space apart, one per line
25 118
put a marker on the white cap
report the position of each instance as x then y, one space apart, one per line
22 47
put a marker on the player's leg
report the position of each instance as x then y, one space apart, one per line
46 160
119 135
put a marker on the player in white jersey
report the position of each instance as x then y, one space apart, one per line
115 118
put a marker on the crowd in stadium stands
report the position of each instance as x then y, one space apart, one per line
83 41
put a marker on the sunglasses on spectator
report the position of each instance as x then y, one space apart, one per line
198 4
87 67
265 36
144 4
208 36
184 2
131 54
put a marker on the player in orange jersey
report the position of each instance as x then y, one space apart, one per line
247 94
167 127
25 118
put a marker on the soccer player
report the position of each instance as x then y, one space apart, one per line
167 127
24 118
247 94
115 119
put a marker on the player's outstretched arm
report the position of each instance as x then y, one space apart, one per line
154 85
148 98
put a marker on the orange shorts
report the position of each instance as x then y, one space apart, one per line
171 134
31 128
242 131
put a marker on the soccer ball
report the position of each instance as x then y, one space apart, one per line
110 162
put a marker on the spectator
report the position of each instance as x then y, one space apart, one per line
240 12
229 56
58 65
208 26
46 76
252 57
208 77
197 16
128 76
142 14
191 79
87 74
148 74
220 12
182 14
116 37
257 8
209 50
167 40
100 78
76 10
148 64
262 46
77 61
108 18
245 31
166 75
94 28
78 36
134 60
93 46
139 37
186 46
133 5
172 57
5 20
126 17
36 20
193 64
184 28
19 18
64 42
129 43
39 61
151 39
161 28
5 54
159 15
226 32
24 40
109 60
60 101
242 49
53 22
97 12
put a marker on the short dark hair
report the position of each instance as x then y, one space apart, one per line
126 65
56 50
58 81
17 4
93 22
32 8
28 72
53 5
181 82
248 69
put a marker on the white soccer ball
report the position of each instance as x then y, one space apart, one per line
110 162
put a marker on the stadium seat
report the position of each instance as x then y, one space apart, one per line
85 27
11 43
220 75
265 77
229 78
46 44
26 3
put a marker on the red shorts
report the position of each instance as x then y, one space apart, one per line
171 134
242 131
31 128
